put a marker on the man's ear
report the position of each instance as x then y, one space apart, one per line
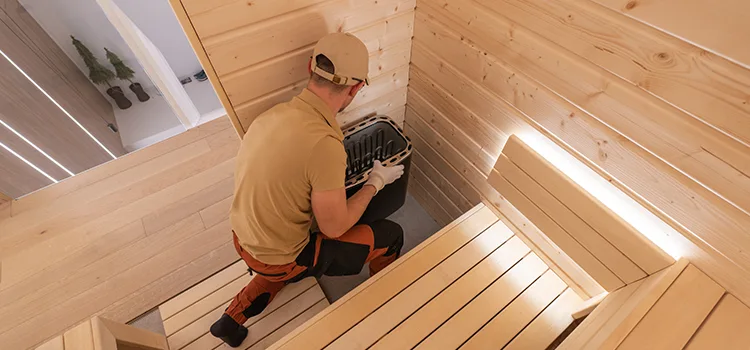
309 67
355 89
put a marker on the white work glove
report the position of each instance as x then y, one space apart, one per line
383 175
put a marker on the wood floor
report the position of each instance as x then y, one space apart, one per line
119 239
473 285
188 316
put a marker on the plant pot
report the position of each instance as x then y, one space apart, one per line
139 92
116 93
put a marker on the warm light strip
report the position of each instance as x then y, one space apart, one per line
58 105
35 147
643 220
27 162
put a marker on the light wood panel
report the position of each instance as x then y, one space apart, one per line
356 305
724 19
678 313
549 324
374 326
725 328
249 81
520 78
95 237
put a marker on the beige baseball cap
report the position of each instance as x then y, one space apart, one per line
349 57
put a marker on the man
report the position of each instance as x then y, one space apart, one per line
291 165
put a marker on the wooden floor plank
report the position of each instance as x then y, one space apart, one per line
80 337
266 342
196 336
727 327
205 305
200 291
671 322
369 330
415 328
324 328
486 305
281 316
549 324
512 319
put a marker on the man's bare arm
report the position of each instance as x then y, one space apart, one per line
335 214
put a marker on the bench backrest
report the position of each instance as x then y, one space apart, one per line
610 250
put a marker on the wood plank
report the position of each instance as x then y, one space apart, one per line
380 105
601 315
216 213
51 194
669 324
549 324
472 183
55 343
196 336
588 306
637 306
727 327
433 189
419 324
443 185
559 262
633 164
321 330
270 339
189 205
80 337
282 315
608 280
201 307
193 295
426 199
514 318
236 49
462 325
25 263
56 318
722 17
386 317
609 225
608 253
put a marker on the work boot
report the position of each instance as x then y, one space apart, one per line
228 330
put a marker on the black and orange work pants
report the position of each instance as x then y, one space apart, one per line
378 243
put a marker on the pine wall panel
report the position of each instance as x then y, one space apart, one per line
663 119
256 53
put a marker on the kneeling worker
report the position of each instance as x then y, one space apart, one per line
291 165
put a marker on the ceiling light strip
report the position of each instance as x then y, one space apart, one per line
58 105
27 162
36 148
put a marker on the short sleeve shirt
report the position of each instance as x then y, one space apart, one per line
288 151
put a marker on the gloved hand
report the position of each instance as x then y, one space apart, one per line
382 175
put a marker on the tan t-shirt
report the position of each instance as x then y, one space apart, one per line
288 151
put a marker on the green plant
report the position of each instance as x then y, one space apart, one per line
121 69
98 73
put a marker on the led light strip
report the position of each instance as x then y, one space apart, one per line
27 162
35 147
58 106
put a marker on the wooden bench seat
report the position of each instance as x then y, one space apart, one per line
473 283
188 316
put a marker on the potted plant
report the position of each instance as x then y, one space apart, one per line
125 73
101 75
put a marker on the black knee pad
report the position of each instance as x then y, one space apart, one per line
258 305
388 234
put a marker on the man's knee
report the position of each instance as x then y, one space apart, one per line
388 234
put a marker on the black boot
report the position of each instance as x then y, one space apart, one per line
228 330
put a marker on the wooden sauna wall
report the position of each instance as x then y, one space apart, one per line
256 52
654 96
